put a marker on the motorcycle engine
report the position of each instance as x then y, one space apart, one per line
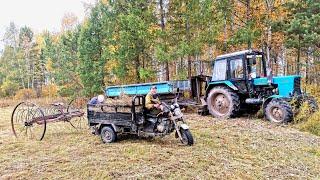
161 127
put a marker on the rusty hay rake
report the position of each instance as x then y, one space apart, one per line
30 120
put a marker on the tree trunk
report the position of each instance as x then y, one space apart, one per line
298 57
269 33
307 64
137 69
162 18
224 49
189 41
248 20
189 67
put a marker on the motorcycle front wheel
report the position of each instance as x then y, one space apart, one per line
187 138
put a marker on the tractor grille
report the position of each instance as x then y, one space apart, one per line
297 88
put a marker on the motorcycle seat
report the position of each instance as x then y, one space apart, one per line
151 115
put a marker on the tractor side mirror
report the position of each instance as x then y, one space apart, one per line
253 61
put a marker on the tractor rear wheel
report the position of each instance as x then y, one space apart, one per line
223 102
279 111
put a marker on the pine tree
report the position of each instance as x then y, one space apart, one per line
90 49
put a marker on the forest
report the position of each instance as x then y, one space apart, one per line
126 41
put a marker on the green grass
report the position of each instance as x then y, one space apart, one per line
227 149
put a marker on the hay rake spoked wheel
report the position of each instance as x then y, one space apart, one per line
28 121
76 106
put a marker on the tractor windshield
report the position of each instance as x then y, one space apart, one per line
256 68
219 70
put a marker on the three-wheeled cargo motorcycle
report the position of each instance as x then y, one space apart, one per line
110 120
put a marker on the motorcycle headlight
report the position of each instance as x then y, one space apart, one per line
177 112
172 106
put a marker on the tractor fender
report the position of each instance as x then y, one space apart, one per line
270 98
219 83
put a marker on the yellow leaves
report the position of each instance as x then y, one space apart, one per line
105 2
69 21
40 41
112 49
115 37
55 38
23 94
110 65
277 39
153 28
49 91
49 65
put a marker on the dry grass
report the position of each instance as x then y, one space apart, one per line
235 149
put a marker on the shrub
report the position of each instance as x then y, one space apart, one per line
8 88
49 91
305 117
313 89
25 94
69 90
312 124
303 113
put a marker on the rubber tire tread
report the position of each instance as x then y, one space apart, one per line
284 105
235 101
113 134
188 135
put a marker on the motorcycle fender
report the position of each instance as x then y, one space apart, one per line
184 126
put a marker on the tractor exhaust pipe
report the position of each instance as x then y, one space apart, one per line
253 101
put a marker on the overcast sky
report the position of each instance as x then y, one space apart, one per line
38 14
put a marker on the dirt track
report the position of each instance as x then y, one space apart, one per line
240 148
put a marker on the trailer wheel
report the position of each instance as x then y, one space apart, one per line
279 111
108 135
223 102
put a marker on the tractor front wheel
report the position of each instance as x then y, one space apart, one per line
279 111
223 102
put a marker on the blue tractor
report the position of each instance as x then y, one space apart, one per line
240 82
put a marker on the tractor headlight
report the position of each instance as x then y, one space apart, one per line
275 91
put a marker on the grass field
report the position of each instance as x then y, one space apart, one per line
243 148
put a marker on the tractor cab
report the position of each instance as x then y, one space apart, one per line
237 69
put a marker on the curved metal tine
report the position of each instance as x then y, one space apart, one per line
17 117
26 119
17 114
30 128
31 116
20 113
77 123
72 125
35 115
21 119
28 115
